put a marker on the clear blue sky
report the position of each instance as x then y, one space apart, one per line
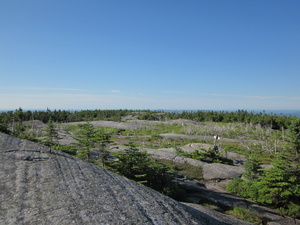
133 54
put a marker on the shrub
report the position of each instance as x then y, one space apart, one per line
136 165
185 169
67 149
277 187
292 210
190 171
204 156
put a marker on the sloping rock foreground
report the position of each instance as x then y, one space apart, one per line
44 186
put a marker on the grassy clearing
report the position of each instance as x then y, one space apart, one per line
185 169
245 214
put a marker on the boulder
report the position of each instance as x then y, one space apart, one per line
218 171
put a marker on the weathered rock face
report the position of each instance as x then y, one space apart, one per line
221 171
43 186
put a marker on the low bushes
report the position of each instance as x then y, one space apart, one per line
136 165
245 214
208 156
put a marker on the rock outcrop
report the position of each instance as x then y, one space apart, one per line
211 171
218 171
40 185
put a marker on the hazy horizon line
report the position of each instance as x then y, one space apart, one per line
186 110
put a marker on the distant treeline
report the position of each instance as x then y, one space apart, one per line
242 116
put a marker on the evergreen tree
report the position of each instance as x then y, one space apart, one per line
89 138
279 185
51 135
4 121
18 117
253 167
294 136
133 163
136 165
102 138
85 140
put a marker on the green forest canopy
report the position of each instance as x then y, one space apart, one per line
264 119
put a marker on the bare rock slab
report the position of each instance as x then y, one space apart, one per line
217 171
44 186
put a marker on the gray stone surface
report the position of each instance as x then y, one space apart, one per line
217 171
44 186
